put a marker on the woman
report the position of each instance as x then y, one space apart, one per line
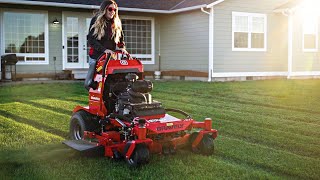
105 36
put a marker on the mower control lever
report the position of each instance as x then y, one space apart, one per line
120 52
179 111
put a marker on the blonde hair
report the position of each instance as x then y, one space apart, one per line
100 24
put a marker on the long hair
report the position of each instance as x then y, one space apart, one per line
100 23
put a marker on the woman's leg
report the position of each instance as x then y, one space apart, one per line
88 83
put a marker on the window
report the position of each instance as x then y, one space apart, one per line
139 38
310 34
249 31
26 34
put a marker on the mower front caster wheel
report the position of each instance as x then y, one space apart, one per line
139 156
206 145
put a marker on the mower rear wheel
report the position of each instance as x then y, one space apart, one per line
206 145
80 122
139 156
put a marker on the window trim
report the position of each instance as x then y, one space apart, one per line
317 38
46 37
152 55
250 16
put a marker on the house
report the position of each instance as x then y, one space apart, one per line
209 40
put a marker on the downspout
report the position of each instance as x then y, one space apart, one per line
211 35
159 55
157 73
204 11
288 13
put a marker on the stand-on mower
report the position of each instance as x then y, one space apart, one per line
123 121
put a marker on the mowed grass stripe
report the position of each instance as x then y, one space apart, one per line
271 137
281 97
47 120
235 105
268 158
14 135
276 139
39 91
57 105
257 119
80 100
252 111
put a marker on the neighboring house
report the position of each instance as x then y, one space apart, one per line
189 39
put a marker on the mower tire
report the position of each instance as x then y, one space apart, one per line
139 156
206 145
81 121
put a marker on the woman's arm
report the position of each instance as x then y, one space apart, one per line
92 41
121 44
122 47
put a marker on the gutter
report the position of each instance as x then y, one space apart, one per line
83 6
163 11
214 3
54 4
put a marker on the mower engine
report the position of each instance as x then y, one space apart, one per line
136 101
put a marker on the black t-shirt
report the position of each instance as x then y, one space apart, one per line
97 47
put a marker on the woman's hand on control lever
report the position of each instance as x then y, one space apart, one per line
124 51
108 51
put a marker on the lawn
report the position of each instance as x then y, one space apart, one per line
267 130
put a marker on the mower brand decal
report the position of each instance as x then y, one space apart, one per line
95 98
124 62
165 128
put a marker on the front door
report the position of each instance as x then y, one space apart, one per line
75 30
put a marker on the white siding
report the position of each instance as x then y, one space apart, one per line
184 41
273 60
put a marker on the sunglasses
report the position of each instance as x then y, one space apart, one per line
111 9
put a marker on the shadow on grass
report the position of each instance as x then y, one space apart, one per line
34 124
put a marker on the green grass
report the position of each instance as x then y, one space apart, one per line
267 130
